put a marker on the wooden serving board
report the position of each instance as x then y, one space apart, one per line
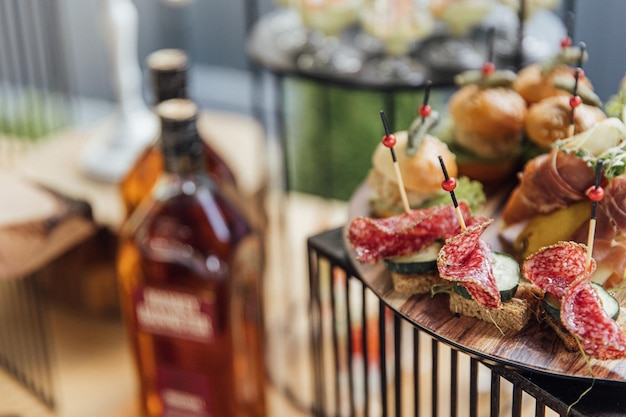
535 348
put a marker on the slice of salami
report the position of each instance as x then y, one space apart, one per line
560 270
375 239
466 259
583 315
555 267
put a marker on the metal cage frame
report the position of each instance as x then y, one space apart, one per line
410 372
25 351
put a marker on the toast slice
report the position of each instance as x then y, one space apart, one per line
513 315
415 283
568 340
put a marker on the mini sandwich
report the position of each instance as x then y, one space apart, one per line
548 88
581 312
487 126
549 203
549 120
539 81
421 174
486 284
407 243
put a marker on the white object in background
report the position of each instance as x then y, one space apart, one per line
113 150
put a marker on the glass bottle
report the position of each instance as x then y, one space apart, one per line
168 69
190 268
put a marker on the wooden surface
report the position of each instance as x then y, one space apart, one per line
239 139
37 225
535 348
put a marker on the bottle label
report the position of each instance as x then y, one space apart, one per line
175 314
183 393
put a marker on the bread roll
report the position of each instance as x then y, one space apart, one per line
488 121
549 120
422 172
533 86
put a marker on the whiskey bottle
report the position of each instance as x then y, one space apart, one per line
190 269
168 69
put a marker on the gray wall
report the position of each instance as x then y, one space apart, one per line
600 24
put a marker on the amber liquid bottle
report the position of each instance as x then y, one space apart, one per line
168 69
190 270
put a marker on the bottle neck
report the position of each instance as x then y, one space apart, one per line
182 147
169 84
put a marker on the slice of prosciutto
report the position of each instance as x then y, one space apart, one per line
556 180
548 182
375 239
560 270
466 259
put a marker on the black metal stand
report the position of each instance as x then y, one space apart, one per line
410 371
24 337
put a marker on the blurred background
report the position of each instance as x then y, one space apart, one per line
214 34
56 76
231 73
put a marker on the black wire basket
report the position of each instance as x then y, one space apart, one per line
410 372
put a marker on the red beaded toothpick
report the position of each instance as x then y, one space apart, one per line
566 42
576 100
449 184
425 110
489 67
595 193
389 140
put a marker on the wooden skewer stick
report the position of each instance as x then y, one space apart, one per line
449 184
389 141
595 194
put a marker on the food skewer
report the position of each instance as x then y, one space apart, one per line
595 194
426 119
576 100
489 66
390 141
449 184
569 25
425 110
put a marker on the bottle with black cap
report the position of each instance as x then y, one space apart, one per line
190 268
168 70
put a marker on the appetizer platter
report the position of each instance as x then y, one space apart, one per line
521 262
534 348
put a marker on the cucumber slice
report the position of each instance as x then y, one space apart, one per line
507 273
552 305
423 261
610 304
